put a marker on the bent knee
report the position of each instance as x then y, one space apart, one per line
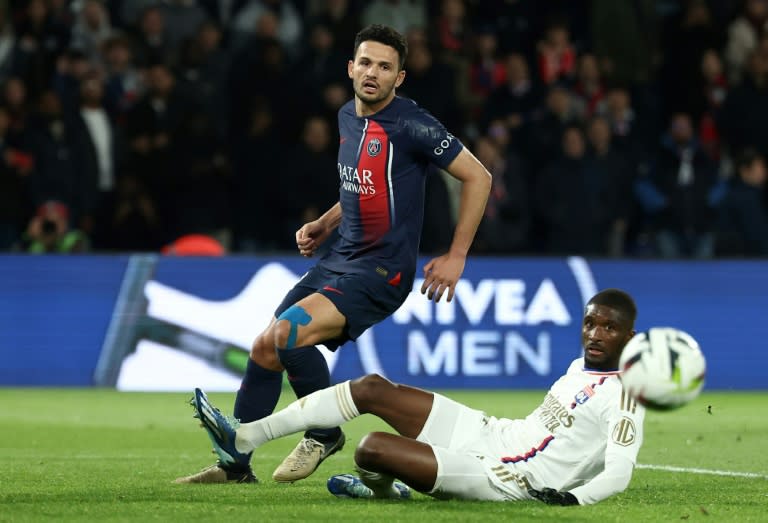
263 352
281 334
371 450
370 388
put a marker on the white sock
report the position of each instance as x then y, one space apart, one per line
323 409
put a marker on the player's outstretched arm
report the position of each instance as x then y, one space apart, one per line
613 479
441 274
314 233
625 436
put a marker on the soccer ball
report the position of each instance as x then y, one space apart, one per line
663 368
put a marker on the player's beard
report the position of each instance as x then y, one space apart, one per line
371 99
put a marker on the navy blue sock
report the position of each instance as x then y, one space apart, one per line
258 394
307 373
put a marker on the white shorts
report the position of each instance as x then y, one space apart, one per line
467 466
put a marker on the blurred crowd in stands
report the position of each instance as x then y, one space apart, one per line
612 127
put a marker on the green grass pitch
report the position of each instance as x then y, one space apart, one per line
102 455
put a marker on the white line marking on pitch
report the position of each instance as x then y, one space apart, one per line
703 471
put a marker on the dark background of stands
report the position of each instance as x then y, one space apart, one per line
631 128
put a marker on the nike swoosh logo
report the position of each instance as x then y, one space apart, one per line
332 289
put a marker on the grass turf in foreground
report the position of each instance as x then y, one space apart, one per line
74 455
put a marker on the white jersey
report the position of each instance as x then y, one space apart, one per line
583 438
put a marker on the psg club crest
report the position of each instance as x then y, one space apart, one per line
374 147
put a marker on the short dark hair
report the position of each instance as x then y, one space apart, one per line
618 300
384 35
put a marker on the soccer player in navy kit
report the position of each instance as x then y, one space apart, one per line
386 144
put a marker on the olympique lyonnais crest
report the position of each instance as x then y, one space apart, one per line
374 147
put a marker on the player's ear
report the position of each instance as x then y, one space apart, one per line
350 66
400 78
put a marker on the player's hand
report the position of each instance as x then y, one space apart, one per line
310 237
551 496
441 275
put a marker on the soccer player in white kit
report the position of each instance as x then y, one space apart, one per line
578 447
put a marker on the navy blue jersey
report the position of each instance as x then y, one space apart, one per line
383 161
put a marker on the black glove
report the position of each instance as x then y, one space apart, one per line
551 496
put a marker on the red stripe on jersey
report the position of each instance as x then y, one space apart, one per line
602 373
374 194
531 453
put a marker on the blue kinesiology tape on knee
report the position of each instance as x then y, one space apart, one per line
295 316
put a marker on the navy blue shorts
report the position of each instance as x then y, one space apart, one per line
363 299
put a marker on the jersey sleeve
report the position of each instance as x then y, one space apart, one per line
431 139
624 420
